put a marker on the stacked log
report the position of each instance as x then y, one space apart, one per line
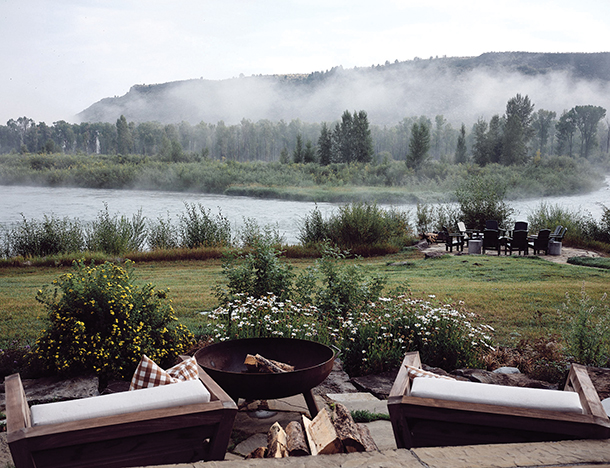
325 434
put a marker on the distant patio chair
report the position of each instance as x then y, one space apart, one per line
559 237
466 233
541 242
518 242
520 226
491 224
491 240
453 240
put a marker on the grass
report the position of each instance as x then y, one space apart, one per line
596 262
518 296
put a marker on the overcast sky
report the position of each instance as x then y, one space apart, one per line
60 56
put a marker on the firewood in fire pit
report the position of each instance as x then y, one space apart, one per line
258 363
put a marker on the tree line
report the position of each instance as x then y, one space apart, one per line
515 137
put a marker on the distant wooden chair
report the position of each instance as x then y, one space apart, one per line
540 242
520 226
491 240
491 224
518 242
428 412
453 240
169 424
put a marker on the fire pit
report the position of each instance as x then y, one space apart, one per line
224 362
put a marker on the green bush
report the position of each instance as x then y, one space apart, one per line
265 317
357 224
376 337
255 272
101 322
587 329
198 228
343 288
50 236
116 235
482 199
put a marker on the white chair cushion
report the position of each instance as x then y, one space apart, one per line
165 396
520 397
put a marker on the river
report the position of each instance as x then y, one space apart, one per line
85 204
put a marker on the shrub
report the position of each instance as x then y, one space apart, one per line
587 329
344 287
265 317
373 338
102 322
356 225
251 233
256 272
116 236
198 228
162 235
482 199
42 238
376 337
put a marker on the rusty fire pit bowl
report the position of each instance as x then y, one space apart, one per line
224 362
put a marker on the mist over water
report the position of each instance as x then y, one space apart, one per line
388 94
85 204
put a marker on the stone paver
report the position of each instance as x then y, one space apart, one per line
563 453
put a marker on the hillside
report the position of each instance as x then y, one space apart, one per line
460 88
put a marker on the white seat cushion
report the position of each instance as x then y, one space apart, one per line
165 396
520 397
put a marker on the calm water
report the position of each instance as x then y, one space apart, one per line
85 204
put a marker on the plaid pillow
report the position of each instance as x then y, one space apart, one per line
416 372
186 370
149 374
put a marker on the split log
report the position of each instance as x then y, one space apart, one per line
322 435
258 363
276 442
347 429
296 443
260 452
367 439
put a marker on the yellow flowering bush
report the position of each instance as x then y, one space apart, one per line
102 322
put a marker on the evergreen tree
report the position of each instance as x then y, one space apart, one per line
460 150
309 153
325 146
362 143
297 154
419 145
480 148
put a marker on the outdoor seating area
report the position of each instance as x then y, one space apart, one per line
426 411
167 424
494 238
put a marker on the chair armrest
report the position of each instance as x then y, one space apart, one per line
17 409
580 382
401 383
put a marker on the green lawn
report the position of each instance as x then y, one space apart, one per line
518 296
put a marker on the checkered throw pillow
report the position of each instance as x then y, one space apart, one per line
149 374
416 372
185 370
